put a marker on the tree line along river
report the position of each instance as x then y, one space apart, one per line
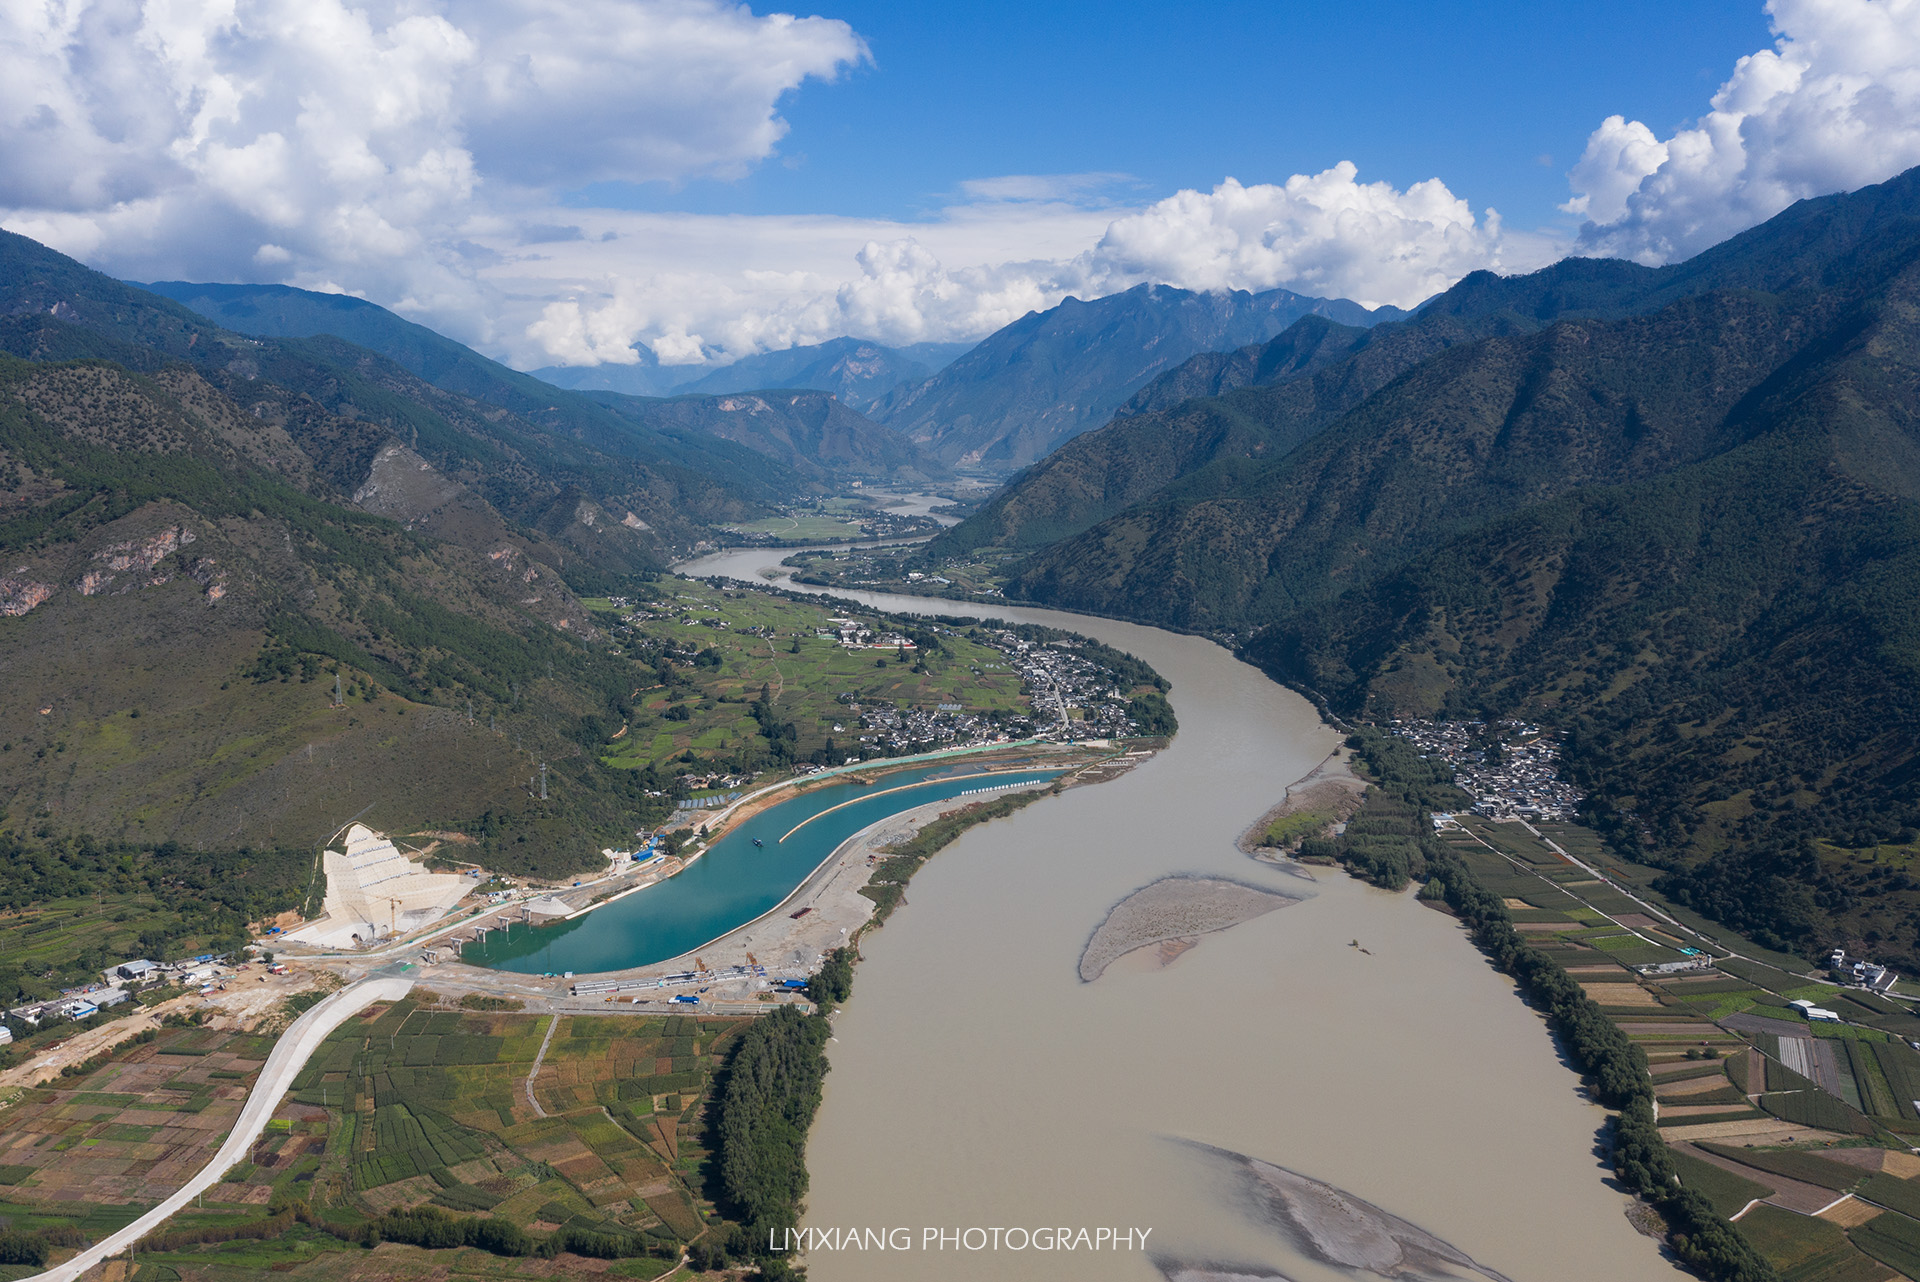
976 1081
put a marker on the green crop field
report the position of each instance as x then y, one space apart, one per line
413 1110
1892 1239
92 1150
1809 1168
725 647
1728 1192
813 526
1804 1249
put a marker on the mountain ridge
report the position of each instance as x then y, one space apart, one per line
1672 513
1052 375
858 371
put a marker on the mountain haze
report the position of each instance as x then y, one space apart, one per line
855 370
1052 375
809 432
858 373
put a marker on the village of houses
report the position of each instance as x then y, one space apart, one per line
1511 769
1069 698
120 983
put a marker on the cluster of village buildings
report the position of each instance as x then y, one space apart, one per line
895 731
1511 769
1068 695
119 984
1058 678
854 635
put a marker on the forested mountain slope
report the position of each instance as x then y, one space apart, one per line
1686 533
534 450
807 436
1482 429
279 311
1261 401
1051 375
254 588
807 432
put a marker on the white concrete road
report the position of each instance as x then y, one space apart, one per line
284 1062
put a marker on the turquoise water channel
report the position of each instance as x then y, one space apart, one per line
733 883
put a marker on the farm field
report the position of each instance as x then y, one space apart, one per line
1770 1110
721 648
837 518
810 526
90 1152
980 574
410 1111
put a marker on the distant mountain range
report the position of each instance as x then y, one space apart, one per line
859 373
991 407
998 405
809 432
1675 512
824 444
1026 389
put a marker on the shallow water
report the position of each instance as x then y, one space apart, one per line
977 1082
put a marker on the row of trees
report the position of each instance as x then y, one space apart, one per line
1612 1066
764 1107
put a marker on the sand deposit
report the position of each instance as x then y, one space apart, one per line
1334 1227
1330 788
1174 909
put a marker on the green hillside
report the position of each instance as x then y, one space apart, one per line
803 439
535 450
254 588
1680 521
1481 429
1052 375
184 594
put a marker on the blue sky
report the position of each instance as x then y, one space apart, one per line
1183 95
558 182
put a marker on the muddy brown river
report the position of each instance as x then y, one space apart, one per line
978 1083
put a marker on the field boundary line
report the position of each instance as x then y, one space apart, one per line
289 1055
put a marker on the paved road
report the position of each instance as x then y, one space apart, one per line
289 1055
537 1060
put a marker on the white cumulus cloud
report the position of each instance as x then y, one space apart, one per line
986 263
370 141
414 152
1833 106
1327 234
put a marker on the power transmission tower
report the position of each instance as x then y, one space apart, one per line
543 781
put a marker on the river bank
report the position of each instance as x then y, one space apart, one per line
1396 1074
822 910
